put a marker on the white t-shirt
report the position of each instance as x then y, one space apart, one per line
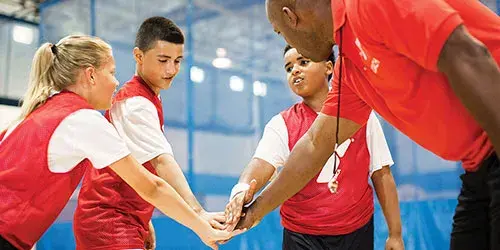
273 147
137 122
84 134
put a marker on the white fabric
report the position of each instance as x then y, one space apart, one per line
273 147
84 134
380 155
238 188
137 122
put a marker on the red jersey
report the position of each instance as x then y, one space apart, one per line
390 50
31 196
110 214
315 210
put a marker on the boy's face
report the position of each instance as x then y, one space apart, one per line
160 64
305 77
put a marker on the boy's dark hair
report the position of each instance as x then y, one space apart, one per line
156 29
331 58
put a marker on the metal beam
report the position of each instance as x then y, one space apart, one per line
190 94
18 20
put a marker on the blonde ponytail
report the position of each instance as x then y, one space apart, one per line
56 66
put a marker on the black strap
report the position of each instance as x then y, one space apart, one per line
5 245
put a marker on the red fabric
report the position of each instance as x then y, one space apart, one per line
390 54
110 214
31 197
315 210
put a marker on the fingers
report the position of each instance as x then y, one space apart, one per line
233 209
225 235
219 217
236 208
230 227
217 225
238 232
229 211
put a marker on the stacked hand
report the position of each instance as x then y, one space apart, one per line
211 236
232 222
215 219
234 210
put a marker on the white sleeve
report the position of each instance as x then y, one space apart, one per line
137 122
85 134
273 147
380 155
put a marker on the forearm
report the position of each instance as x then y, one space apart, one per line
169 202
168 169
387 194
305 161
258 170
307 158
157 192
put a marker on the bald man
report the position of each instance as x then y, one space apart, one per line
429 67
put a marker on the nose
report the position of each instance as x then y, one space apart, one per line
295 70
170 69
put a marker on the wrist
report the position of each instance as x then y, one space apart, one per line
201 226
255 210
395 233
237 189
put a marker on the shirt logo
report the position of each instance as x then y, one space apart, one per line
375 63
327 172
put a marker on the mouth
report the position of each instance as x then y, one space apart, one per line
298 81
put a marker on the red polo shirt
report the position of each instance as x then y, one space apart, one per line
390 52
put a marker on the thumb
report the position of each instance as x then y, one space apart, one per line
251 191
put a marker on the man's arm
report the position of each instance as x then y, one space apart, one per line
306 159
475 77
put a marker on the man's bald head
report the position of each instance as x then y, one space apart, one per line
275 7
306 25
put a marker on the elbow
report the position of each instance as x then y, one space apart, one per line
383 174
152 189
474 54
462 50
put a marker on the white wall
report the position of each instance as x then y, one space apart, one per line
215 154
7 115
16 57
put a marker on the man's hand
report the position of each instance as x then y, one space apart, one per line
251 219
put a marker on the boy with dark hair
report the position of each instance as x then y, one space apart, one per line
110 215
323 215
